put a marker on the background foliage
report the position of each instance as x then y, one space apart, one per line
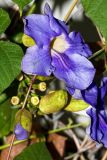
12 50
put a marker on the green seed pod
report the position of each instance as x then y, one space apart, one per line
76 105
53 102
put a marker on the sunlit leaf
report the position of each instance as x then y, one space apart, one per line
10 63
97 11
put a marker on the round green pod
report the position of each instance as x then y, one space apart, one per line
53 102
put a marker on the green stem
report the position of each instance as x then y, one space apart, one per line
96 53
66 127
23 106
101 36
50 132
31 9
15 142
28 92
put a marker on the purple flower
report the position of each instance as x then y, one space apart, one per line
56 51
95 97
20 132
98 128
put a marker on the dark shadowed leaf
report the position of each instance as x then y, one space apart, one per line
4 20
7 116
36 151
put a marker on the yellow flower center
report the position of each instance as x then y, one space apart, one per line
59 44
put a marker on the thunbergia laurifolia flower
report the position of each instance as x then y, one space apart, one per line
95 97
20 132
57 51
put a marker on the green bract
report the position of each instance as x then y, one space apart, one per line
76 105
22 3
24 117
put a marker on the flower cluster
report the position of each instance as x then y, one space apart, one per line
57 51
65 55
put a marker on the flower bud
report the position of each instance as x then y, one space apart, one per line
20 132
53 102
27 41
34 100
20 77
27 80
76 105
15 100
42 86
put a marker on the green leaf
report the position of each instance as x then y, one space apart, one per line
4 20
7 116
76 105
22 3
36 151
10 63
3 97
97 11
24 117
